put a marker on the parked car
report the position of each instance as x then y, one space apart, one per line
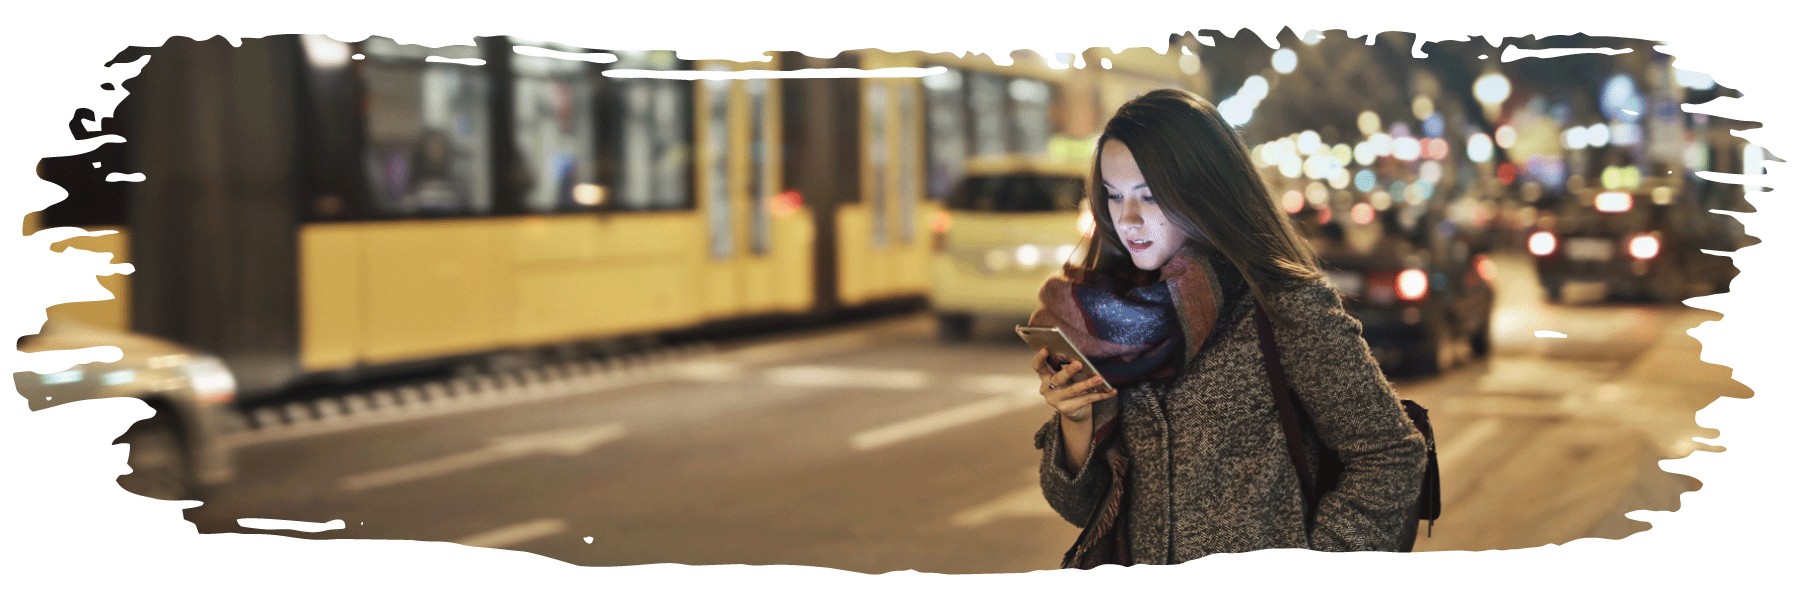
1006 226
173 454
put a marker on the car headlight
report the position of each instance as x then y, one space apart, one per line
211 381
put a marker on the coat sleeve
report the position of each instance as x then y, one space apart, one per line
1072 495
1355 412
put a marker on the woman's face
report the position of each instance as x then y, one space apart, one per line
1150 238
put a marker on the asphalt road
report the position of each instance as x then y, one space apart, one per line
875 448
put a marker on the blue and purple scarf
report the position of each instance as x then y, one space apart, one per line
1138 325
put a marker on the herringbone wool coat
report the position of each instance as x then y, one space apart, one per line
1210 470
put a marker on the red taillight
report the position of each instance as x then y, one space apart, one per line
1506 173
1411 284
1645 247
786 204
1324 215
1542 243
1484 266
940 228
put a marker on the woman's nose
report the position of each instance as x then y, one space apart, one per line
1130 213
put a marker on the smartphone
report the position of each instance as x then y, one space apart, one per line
1062 351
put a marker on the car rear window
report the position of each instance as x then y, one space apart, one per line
1016 193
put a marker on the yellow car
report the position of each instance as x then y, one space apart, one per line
1007 225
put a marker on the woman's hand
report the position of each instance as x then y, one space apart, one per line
1070 398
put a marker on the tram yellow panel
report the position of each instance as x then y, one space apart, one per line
114 314
597 301
855 264
331 295
556 238
434 288
721 289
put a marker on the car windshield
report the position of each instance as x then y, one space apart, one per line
1016 193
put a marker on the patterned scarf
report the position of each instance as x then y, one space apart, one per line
1138 325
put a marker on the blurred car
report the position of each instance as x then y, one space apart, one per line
1637 238
1424 296
174 453
1007 225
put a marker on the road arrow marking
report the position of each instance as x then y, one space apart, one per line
566 442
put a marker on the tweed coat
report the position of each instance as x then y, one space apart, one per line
1210 469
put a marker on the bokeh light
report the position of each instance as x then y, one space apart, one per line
1437 149
1381 200
1284 61
1407 149
1422 107
1342 153
1433 126
1382 144
1492 88
1368 122
1481 148
1362 213
1365 180
1364 153
1506 136
1308 142
1293 201
1599 135
1431 171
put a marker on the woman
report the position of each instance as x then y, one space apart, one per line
1188 242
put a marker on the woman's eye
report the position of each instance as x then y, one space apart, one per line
1113 197
1149 200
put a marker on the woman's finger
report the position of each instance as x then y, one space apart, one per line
1040 363
1075 406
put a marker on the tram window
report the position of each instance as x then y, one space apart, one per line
1030 115
1016 193
554 134
716 98
654 148
762 187
875 103
946 140
987 109
426 126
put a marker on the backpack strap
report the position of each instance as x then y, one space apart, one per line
1284 404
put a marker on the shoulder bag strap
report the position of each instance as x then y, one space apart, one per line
1284 403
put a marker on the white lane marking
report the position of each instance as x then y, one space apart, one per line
1468 441
1023 502
516 534
567 442
998 384
306 526
848 377
1550 334
943 419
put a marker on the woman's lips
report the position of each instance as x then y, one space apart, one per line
1136 246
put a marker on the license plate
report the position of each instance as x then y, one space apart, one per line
1595 249
1349 283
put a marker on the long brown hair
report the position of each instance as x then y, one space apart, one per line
1200 173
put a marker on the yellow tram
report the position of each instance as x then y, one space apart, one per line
319 210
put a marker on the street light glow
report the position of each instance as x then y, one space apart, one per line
1284 61
1492 88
